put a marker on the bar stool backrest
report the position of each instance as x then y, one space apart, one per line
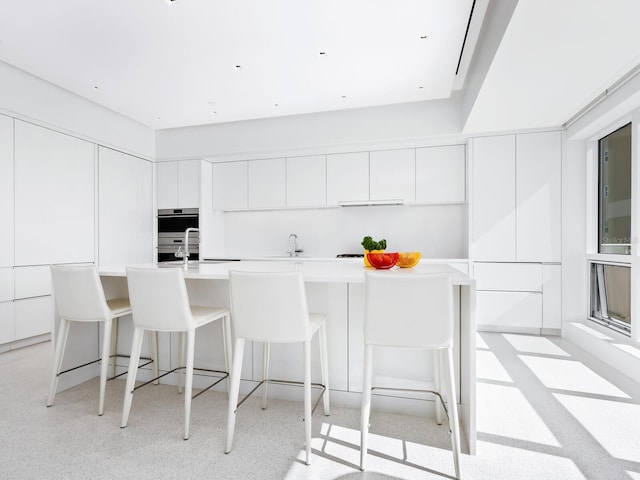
159 299
269 307
78 293
409 310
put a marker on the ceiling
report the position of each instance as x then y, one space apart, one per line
167 64
191 62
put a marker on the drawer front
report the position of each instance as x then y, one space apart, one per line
513 277
6 284
34 316
32 281
509 309
6 322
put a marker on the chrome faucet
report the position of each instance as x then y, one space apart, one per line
185 255
294 250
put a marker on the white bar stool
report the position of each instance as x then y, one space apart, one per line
272 308
410 310
79 297
160 303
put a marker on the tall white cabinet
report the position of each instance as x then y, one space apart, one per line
178 184
125 196
6 239
54 197
515 230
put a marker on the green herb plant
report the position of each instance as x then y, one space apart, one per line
369 244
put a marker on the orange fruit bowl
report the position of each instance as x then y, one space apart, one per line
382 261
408 259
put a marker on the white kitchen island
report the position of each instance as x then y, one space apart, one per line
336 288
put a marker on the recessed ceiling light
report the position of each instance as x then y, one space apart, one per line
238 67
276 104
95 87
420 87
322 53
424 37
157 118
344 96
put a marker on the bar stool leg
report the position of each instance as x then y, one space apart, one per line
324 367
365 409
61 342
437 372
191 341
181 363
228 352
136 347
266 355
104 363
114 346
153 348
238 352
307 399
453 409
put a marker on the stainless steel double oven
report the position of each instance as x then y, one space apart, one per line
172 224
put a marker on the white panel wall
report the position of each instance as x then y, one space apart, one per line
436 231
6 191
29 97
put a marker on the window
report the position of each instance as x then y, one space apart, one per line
614 206
611 296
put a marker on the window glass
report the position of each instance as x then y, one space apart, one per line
611 295
615 192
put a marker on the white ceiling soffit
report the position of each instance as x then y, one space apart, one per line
555 57
188 62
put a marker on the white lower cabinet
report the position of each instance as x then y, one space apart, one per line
518 297
509 310
33 316
7 322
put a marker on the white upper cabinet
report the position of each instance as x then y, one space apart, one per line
266 183
392 175
6 190
538 197
347 177
307 181
54 197
440 174
230 186
178 184
494 199
125 221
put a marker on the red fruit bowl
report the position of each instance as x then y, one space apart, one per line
383 261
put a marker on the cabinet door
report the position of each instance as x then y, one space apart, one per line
538 197
6 284
6 191
32 281
188 184
167 184
551 296
230 186
440 174
347 177
494 199
392 175
307 181
266 183
33 316
7 323
125 221
54 197
509 309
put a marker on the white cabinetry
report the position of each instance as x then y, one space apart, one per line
266 183
125 222
54 197
494 199
230 186
517 198
538 197
347 177
392 175
307 181
33 316
440 174
7 323
6 191
552 296
178 184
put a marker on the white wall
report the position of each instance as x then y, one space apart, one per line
325 132
436 231
29 98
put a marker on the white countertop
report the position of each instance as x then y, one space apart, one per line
330 271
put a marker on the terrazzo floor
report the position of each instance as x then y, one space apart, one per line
546 410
